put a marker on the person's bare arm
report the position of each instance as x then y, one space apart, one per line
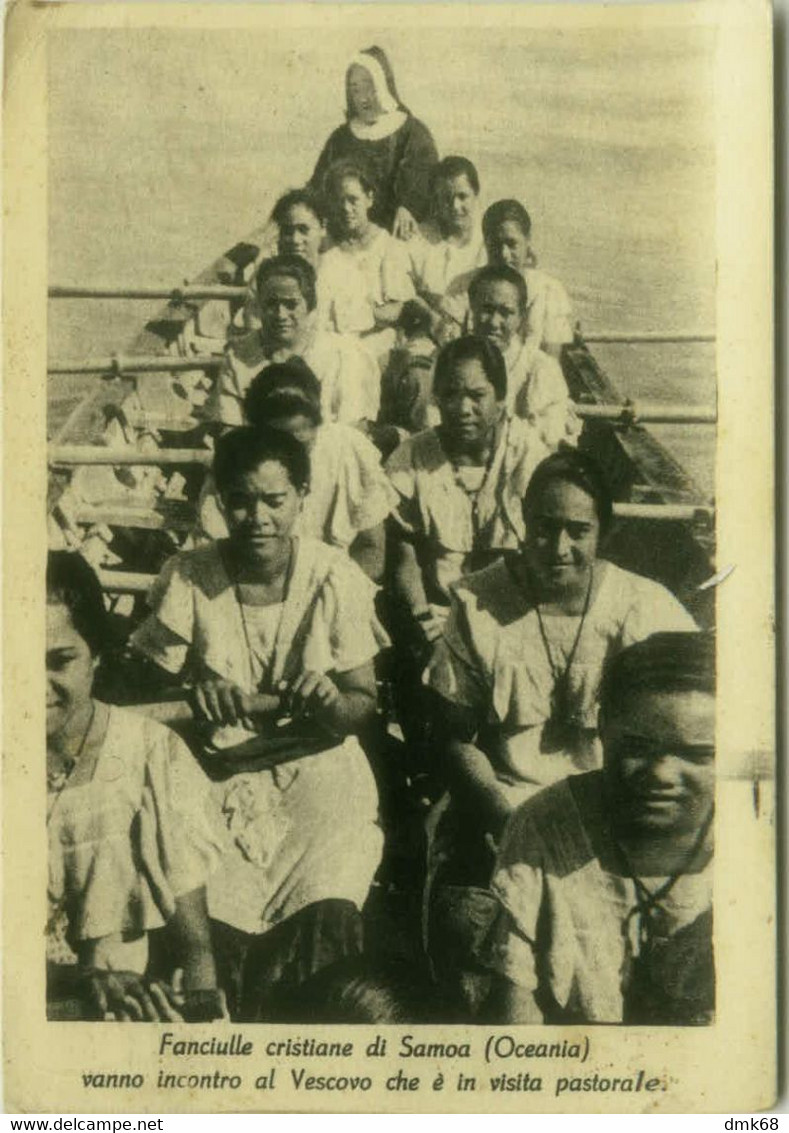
189 925
409 587
343 702
470 775
368 551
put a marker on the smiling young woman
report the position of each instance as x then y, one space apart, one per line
130 843
626 852
515 681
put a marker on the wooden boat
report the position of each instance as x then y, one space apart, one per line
127 463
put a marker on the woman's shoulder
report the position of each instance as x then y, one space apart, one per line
140 736
195 564
332 257
491 594
623 590
540 284
422 450
416 128
247 348
348 443
341 136
330 343
333 568
201 569
549 829
522 437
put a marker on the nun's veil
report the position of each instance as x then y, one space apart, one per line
376 62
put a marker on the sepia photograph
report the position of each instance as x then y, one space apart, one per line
388 592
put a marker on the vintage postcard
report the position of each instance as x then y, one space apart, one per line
389 631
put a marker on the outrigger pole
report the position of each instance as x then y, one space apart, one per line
644 337
176 295
116 365
129 582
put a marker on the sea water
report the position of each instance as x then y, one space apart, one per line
167 147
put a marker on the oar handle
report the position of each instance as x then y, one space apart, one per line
180 711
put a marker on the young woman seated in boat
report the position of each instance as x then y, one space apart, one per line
349 495
265 612
130 842
451 247
537 391
506 227
382 134
287 299
459 488
365 273
625 853
300 220
459 484
515 683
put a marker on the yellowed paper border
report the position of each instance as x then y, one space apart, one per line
730 1066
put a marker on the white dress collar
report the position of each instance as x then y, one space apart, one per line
383 127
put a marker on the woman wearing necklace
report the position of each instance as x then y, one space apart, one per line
262 611
459 484
516 678
287 299
459 488
130 842
397 149
350 495
626 853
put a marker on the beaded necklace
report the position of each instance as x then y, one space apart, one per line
559 732
57 780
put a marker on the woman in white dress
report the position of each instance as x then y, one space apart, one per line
451 247
287 299
349 495
365 273
266 612
131 844
515 681
506 227
536 389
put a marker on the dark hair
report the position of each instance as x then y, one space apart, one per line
502 211
499 273
454 166
472 347
243 449
664 662
414 319
360 990
343 168
306 197
577 468
293 267
71 582
268 391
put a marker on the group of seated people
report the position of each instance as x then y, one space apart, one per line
394 588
